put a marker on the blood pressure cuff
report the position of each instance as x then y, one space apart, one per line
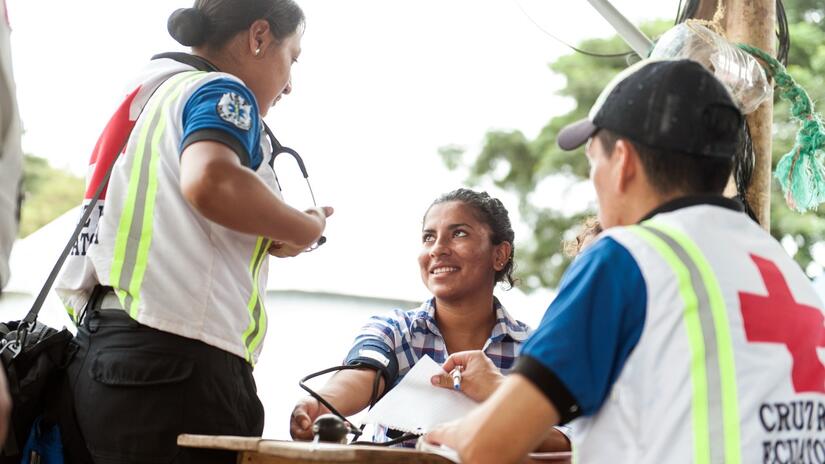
376 355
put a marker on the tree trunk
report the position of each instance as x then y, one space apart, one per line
753 22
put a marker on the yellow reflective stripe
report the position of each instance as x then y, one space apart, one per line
698 374
262 322
151 194
72 313
727 365
132 244
253 334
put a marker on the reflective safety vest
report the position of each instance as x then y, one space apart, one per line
172 269
730 364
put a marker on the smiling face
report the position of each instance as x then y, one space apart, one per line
457 255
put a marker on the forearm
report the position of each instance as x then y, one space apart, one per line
350 390
223 191
504 428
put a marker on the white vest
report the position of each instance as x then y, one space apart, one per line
712 379
172 269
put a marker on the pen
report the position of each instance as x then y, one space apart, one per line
456 375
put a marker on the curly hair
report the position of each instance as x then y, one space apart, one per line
590 228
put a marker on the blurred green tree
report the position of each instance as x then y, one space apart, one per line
47 193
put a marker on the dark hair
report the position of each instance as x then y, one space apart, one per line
214 22
492 212
672 171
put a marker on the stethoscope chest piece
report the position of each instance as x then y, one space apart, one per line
329 428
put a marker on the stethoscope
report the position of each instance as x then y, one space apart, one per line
278 149
333 427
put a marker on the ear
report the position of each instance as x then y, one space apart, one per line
260 37
627 164
501 255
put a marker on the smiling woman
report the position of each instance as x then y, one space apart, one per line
466 248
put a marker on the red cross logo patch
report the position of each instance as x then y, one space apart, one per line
778 318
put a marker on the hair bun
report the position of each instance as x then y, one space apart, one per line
188 26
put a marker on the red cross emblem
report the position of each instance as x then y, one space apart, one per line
778 318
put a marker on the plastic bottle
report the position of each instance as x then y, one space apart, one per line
740 72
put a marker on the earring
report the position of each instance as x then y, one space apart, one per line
257 51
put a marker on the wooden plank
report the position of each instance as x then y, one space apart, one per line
258 450
219 442
253 450
325 452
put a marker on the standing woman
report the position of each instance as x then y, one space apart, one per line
173 275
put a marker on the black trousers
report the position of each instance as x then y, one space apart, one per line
134 389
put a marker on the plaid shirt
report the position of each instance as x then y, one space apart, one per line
412 334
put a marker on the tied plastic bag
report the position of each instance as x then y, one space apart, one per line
738 70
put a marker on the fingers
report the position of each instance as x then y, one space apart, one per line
462 358
283 250
300 423
442 380
300 427
328 210
286 253
434 436
451 362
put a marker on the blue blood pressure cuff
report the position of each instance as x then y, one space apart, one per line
376 355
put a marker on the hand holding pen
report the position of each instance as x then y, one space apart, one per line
456 375
470 372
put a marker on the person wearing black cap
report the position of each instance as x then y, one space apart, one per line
685 333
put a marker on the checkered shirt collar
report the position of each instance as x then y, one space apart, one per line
424 321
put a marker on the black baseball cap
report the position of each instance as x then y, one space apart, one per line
675 105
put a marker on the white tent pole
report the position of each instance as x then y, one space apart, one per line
631 34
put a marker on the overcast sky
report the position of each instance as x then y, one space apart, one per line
379 87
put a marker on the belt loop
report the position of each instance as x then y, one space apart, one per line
92 306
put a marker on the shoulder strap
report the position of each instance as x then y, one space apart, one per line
41 297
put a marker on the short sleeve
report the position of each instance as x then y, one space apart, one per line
589 330
224 110
390 332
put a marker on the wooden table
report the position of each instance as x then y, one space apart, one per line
260 451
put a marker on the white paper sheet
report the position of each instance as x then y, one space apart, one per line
415 405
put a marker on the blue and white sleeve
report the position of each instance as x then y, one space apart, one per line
588 332
224 110
383 339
